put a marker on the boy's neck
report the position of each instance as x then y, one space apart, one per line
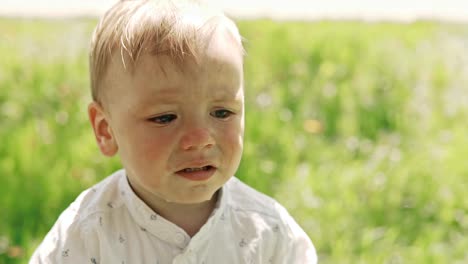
189 217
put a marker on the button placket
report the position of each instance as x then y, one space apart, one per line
179 239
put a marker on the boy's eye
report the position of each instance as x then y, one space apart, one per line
221 113
163 119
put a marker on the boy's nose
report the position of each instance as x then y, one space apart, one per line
196 138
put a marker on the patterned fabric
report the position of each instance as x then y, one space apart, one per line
108 223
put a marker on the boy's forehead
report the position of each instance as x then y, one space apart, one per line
165 72
165 67
220 50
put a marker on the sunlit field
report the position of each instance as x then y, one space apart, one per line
360 130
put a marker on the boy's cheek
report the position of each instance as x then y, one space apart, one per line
154 147
234 138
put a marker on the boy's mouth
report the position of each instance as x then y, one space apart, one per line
197 173
205 168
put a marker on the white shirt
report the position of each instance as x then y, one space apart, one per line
108 223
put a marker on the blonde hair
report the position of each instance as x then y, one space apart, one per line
135 27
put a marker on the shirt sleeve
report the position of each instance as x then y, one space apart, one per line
295 246
65 243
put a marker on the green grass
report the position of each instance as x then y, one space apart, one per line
358 129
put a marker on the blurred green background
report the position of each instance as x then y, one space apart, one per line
359 129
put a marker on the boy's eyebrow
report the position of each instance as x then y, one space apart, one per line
171 94
227 97
163 98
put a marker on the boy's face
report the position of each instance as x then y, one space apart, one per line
178 128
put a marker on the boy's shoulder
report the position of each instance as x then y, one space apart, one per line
259 214
65 239
243 198
102 198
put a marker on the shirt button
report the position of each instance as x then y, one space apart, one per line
179 238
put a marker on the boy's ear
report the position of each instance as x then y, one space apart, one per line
102 130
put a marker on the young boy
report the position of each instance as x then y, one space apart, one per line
167 87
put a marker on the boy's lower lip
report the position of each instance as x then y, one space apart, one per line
201 175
